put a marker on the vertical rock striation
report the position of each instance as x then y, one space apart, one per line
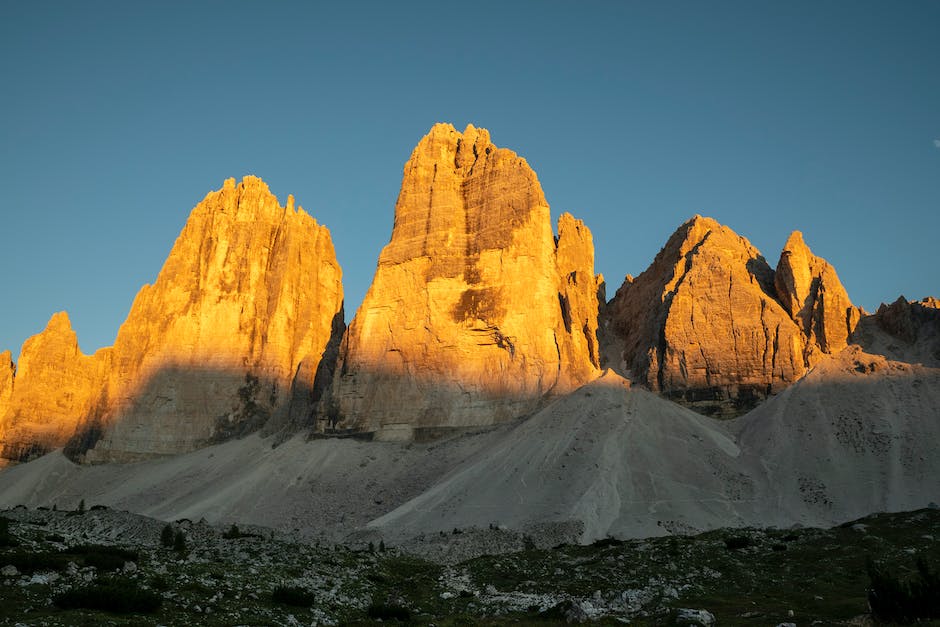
229 335
55 388
710 323
701 324
475 312
811 293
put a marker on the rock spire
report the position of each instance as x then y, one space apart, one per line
475 313
712 325
246 300
56 386
811 293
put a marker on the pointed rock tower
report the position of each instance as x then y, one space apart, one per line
229 335
476 312
711 325
810 291
702 325
56 386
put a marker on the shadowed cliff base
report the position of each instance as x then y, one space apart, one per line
620 461
165 417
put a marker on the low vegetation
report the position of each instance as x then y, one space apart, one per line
122 596
886 562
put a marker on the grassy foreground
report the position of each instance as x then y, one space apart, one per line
70 569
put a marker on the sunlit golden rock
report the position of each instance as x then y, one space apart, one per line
702 325
7 370
55 387
810 291
474 314
248 298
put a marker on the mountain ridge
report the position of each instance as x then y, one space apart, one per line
488 368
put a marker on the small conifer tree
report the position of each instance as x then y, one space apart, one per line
179 542
166 536
81 506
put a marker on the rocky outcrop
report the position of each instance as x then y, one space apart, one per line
810 291
228 337
701 324
55 388
907 331
7 372
712 325
475 312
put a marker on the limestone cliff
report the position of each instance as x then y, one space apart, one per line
905 330
247 299
7 371
712 325
702 326
810 291
55 387
475 312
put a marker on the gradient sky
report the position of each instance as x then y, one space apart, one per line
116 118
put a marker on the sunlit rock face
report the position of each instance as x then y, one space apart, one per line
248 298
712 325
475 312
702 325
810 291
55 387
7 370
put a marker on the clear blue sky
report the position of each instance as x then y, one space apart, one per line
116 118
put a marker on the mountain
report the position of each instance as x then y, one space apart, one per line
476 313
810 291
468 389
55 386
227 341
711 325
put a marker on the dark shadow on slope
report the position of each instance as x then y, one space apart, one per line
308 388
175 410
902 331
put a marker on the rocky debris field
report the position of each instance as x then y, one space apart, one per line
57 565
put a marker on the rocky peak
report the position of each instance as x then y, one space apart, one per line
228 337
56 386
7 372
469 320
702 324
811 293
578 294
907 320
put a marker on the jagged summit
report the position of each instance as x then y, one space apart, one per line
810 291
471 317
711 324
226 341
56 386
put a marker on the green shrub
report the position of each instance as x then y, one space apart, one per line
121 596
179 542
102 557
606 542
292 595
166 536
896 600
387 611
232 533
5 538
27 562
735 543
